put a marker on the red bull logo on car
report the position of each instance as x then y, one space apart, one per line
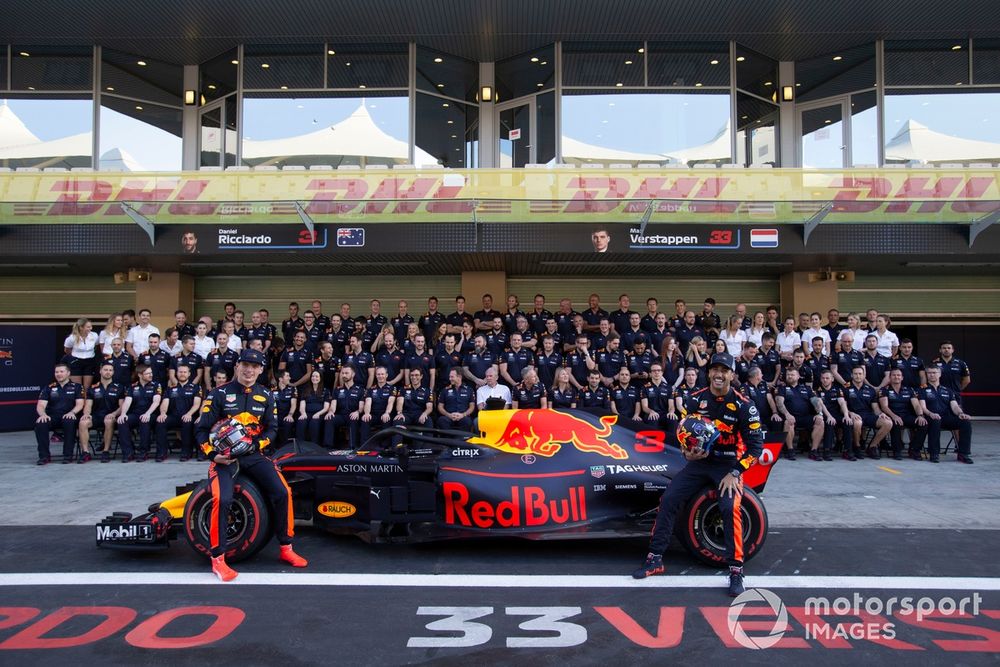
544 432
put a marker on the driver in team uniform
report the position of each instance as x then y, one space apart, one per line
739 444
252 405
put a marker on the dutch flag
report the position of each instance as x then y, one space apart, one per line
763 238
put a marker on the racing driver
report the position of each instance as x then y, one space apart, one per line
740 442
252 405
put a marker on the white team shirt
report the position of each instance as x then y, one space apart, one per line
139 337
84 349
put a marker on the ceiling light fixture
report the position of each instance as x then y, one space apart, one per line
331 52
235 62
264 66
740 59
138 108
534 59
141 63
24 54
619 84
439 60
713 62
110 89
642 50
836 58
957 47
628 62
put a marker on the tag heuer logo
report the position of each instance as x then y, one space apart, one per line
597 472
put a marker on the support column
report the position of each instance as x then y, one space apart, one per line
189 121
163 294
798 295
788 156
487 127
477 283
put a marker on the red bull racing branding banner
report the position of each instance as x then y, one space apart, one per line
545 432
493 195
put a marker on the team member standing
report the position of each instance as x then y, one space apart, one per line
251 404
739 444
59 404
954 372
346 409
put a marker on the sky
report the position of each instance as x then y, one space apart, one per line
647 123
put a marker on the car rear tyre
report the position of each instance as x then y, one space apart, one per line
701 530
248 525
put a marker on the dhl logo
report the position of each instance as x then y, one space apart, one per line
544 432
462 192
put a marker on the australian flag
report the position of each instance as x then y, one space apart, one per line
350 237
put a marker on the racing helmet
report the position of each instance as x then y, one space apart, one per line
695 432
230 438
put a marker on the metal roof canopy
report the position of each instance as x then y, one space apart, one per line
190 32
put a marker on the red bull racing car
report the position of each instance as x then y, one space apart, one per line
536 474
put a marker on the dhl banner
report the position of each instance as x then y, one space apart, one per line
491 195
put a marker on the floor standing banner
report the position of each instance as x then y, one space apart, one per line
26 361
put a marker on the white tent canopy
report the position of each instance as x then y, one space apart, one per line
918 143
13 132
354 140
577 152
718 149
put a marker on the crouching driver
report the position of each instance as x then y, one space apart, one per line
252 426
725 438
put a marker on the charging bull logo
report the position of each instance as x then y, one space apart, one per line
543 432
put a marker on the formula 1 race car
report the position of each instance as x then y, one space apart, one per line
536 474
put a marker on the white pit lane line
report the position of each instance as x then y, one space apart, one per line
205 577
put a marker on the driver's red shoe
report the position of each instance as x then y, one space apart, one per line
291 557
223 571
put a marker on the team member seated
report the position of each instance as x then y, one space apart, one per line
380 403
902 405
314 406
794 401
59 406
829 400
179 409
529 394
140 404
657 400
456 404
100 410
862 401
944 412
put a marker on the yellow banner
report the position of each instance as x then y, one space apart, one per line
404 195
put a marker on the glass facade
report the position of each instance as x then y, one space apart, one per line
622 102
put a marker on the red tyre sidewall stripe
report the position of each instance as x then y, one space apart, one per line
700 500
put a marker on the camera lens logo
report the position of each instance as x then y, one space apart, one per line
752 596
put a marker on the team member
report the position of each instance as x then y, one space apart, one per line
528 341
912 366
845 360
709 321
222 359
380 401
297 360
122 362
515 361
456 404
610 360
137 340
529 394
548 360
251 404
338 335
327 365
157 359
594 395
788 340
817 361
415 402
314 408
739 444
492 389
431 320
286 399
816 331
562 394
581 362
640 362
483 319
625 397
745 362
877 366
902 405
479 362
102 406
141 402
361 360
391 358
446 359
178 409
768 358
954 372
293 323
592 316
689 384
656 400
862 401
943 411
687 331
80 348
680 314
888 342
496 338
59 405
757 391
798 363
833 326
794 402
648 321
420 358
538 317
188 357
345 409
830 402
